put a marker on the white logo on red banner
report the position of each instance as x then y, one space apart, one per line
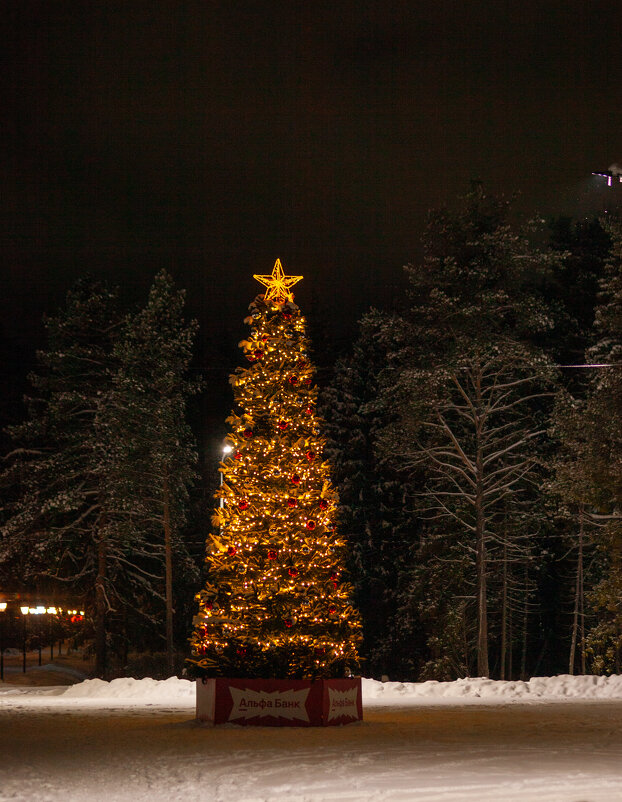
281 704
342 703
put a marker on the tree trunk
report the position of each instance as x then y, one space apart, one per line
465 641
577 597
168 561
511 645
615 573
481 559
504 611
481 569
101 607
523 659
581 593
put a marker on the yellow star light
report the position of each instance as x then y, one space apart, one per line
278 284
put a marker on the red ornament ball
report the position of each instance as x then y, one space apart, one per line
309 411
288 622
209 605
237 455
310 455
308 382
323 504
287 315
258 354
283 424
292 502
242 504
272 554
292 571
248 433
231 551
293 379
295 479
311 525
332 609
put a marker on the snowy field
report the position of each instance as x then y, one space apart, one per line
555 739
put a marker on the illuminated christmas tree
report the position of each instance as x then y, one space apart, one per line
276 603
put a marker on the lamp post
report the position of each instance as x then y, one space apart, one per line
227 449
2 609
38 611
51 611
25 611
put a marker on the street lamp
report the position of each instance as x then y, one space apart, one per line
38 610
51 611
25 611
226 449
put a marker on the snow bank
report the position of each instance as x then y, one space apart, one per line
180 693
175 690
139 690
564 685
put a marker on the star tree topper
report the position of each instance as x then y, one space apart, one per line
278 284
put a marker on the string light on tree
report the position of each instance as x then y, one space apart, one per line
272 606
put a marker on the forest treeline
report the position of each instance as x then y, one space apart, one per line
475 434
96 487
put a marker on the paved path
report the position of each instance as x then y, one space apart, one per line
550 752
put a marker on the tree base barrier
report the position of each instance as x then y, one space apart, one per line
279 702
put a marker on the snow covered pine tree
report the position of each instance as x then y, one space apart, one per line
276 604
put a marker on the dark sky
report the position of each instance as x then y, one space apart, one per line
212 137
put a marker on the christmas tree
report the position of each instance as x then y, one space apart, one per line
276 603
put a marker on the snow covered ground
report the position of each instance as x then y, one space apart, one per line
556 739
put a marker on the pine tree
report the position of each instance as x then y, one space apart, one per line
277 602
591 465
571 287
98 479
467 381
148 448
373 514
58 527
472 427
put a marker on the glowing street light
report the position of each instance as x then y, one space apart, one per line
226 449
25 611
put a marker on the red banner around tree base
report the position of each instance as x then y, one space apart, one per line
279 703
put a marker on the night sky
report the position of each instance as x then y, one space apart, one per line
212 137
